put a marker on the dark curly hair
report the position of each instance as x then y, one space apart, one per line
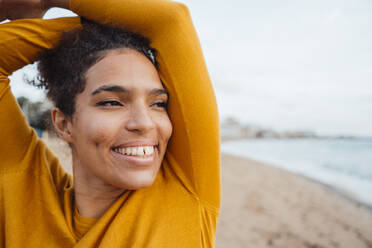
62 69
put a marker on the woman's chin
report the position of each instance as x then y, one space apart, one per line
143 180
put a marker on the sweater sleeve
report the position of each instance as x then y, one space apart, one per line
193 151
20 43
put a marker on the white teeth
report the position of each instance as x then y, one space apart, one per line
146 150
136 151
127 151
149 150
140 151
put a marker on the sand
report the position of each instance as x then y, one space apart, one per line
263 206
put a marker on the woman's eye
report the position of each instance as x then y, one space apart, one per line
161 104
109 103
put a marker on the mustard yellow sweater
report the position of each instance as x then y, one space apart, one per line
180 209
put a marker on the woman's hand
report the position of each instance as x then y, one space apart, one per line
18 9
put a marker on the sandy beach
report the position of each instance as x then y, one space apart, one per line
263 206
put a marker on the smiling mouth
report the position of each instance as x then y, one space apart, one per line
136 151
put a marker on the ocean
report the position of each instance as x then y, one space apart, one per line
342 163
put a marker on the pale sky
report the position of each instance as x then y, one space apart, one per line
287 65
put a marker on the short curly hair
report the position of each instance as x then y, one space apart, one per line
62 69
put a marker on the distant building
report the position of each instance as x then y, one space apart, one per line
268 134
248 132
232 129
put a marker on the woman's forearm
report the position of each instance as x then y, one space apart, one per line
22 40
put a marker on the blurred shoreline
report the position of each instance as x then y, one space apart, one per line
343 164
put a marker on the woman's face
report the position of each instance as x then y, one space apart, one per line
120 129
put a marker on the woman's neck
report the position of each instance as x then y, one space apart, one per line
94 204
92 197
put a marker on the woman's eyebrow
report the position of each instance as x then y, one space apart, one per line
112 88
159 92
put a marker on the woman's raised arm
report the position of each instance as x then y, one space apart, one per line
193 151
194 148
20 43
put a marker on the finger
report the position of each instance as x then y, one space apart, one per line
2 11
24 13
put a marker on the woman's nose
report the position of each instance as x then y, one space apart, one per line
140 119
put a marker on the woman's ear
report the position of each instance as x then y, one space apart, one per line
62 124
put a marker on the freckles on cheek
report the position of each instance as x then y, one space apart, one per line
102 131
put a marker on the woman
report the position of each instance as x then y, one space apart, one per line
126 192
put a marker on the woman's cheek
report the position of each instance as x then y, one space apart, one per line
165 126
104 128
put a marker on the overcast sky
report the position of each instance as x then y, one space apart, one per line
286 65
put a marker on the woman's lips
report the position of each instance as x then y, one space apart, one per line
136 155
144 150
